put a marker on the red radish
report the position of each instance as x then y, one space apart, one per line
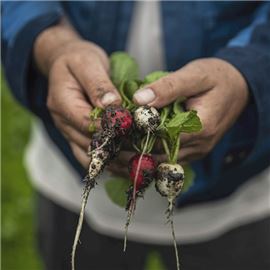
147 119
146 170
116 122
117 119
142 172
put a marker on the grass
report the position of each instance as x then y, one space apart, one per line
18 238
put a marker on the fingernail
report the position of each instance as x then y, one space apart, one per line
144 96
108 99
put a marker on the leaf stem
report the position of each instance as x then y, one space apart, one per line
166 148
163 115
175 151
151 143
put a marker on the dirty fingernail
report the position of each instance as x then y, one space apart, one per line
144 96
108 99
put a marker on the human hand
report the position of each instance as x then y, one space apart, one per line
78 77
214 88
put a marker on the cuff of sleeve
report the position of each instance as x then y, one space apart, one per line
255 68
19 53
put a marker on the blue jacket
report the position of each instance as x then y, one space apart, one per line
238 32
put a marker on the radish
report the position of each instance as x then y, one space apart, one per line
143 167
112 145
116 122
99 158
147 118
169 181
118 119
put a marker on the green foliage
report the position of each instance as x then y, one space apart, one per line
116 190
18 242
154 76
187 122
123 68
94 115
154 261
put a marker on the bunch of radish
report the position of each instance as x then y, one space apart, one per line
144 126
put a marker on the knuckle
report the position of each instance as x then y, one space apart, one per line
169 86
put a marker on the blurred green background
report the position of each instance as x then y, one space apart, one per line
19 250
18 236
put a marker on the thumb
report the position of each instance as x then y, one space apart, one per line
185 82
96 83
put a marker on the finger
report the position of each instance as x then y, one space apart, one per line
124 157
92 75
80 155
66 99
188 139
76 137
118 170
185 82
189 154
213 119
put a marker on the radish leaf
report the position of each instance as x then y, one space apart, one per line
154 76
123 68
116 190
184 122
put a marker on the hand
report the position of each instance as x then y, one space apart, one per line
78 80
214 88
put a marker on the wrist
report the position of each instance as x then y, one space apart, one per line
50 42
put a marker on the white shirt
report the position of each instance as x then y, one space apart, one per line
53 176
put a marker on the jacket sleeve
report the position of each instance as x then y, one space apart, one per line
249 52
22 21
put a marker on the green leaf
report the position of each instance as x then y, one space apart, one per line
177 108
116 190
94 114
184 122
154 76
125 100
189 177
131 87
123 68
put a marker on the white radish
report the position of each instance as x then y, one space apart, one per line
169 182
147 118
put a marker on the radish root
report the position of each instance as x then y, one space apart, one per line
174 243
107 140
88 187
132 206
170 220
129 215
